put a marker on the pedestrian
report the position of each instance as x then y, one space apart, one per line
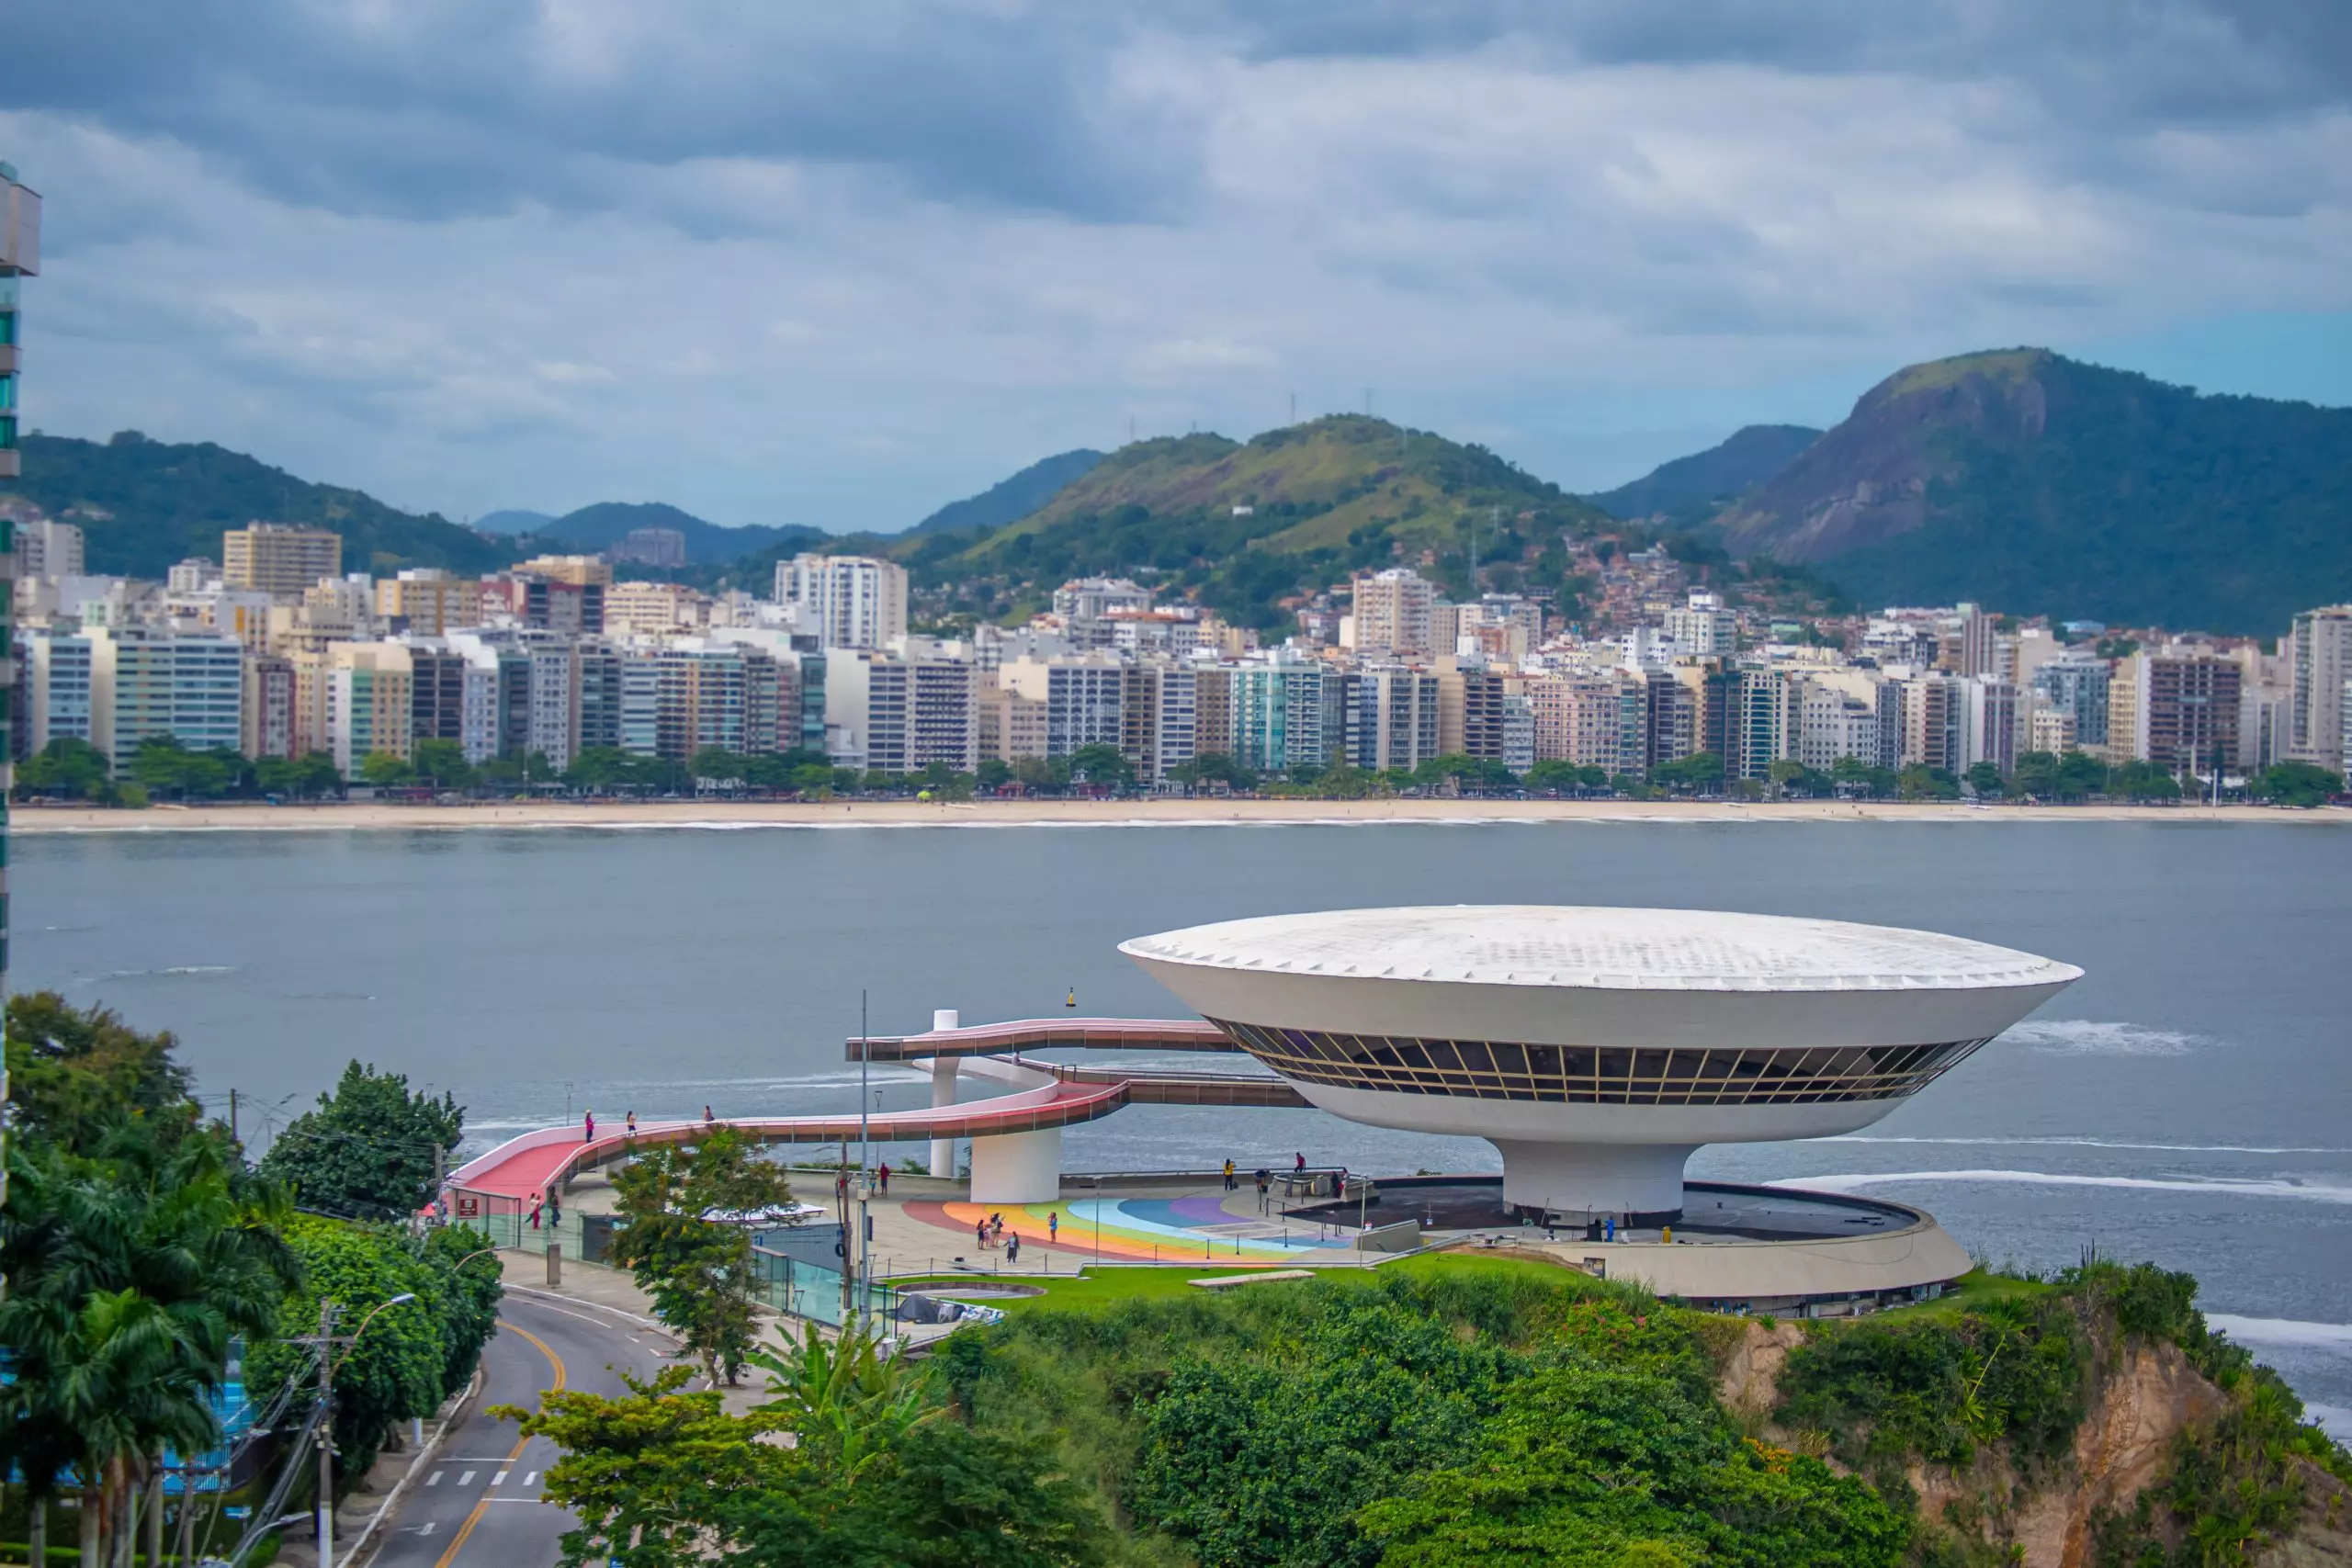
840 1184
706 1115
1012 1249
885 1173
588 1132
1265 1180
555 1208
980 1234
535 1210
632 1123
1228 1176
1300 1169
1053 1227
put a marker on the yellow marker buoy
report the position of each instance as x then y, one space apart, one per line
1073 998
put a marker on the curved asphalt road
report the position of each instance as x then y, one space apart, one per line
476 1503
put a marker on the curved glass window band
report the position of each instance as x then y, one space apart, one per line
1588 1075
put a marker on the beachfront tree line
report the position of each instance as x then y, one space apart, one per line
146 1259
162 769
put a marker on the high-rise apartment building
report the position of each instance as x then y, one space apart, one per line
1392 717
845 601
1281 716
1988 723
266 718
19 258
1392 615
1159 718
279 558
430 600
1932 723
2319 653
1085 698
370 703
2176 708
2075 683
1470 711
1703 629
47 548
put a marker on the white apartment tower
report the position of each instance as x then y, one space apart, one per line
1392 614
846 601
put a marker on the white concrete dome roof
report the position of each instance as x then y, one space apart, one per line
1593 947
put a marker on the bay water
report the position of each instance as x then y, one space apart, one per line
2189 1101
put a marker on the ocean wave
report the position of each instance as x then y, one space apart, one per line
174 972
2314 1192
2095 1037
2336 1337
2097 1144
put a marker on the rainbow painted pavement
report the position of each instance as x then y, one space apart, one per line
1210 1226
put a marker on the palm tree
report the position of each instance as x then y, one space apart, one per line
132 1272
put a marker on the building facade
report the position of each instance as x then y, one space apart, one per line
279 558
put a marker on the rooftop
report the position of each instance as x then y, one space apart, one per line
1593 947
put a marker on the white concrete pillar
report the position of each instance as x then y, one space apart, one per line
943 1093
1018 1167
1594 1179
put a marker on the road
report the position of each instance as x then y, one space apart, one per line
476 1503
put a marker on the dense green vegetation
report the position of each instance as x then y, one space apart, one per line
683 1239
141 1254
371 1150
144 505
1688 489
2045 485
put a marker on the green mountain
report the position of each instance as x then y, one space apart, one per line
1007 500
2041 484
510 520
604 523
144 505
1242 526
1702 481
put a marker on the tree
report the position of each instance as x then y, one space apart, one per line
1984 778
2036 774
2080 774
1702 773
2138 780
686 1239
880 1474
2296 784
994 774
1551 776
394 1370
368 1150
442 765
74 1072
1919 781
1101 765
384 770
132 1269
68 766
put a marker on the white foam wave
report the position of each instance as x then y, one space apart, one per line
2097 1144
175 972
2336 1337
2097 1037
2311 1192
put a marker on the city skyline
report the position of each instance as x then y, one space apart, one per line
956 242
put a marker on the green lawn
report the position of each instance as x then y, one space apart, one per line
1100 1287
1975 1289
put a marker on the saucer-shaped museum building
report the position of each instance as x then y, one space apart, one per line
1596 1048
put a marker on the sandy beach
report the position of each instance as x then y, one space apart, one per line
723 814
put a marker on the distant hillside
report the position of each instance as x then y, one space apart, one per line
510 520
166 503
1696 483
1242 526
1011 500
606 522
2038 483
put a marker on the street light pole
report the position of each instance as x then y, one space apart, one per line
327 1434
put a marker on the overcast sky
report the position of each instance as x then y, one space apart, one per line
838 264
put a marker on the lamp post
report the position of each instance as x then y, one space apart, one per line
327 1342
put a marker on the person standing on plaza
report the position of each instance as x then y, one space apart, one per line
1228 1176
1300 1169
632 1123
535 1210
1053 1227
1012 1249
883 1172
588 1128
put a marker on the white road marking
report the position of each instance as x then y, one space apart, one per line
498 1479
425 1529
532 1479
433 1479
467 1479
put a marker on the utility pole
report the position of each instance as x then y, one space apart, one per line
232 1116
327 1434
